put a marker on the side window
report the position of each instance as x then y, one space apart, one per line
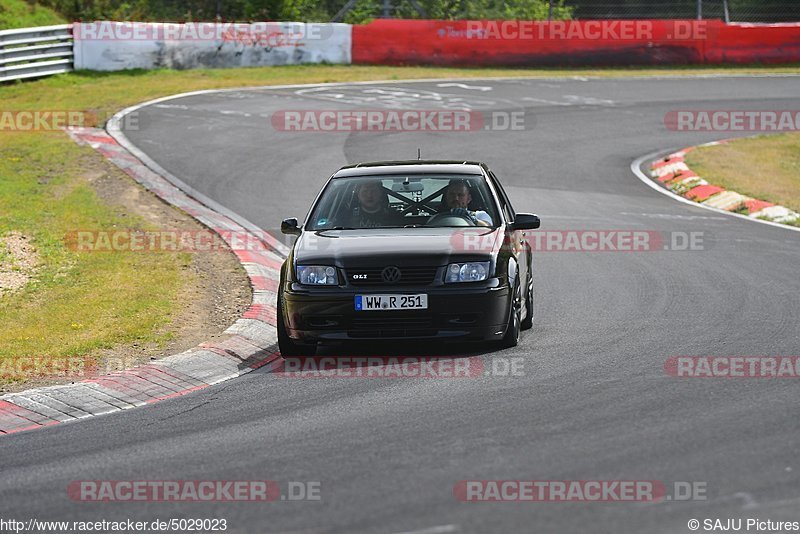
508 211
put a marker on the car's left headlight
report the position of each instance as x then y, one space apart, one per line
317 275
473 271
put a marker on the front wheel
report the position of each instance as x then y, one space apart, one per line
511 337
527 322
287 345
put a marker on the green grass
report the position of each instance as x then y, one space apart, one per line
22 14
78 301
766 167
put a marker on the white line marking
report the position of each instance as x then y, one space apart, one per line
543 101
311 89
171 106
572 100
589 100
431 95
230 112
783 502
749 501
433 530
465 86
568 217
673 216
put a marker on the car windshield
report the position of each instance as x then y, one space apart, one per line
397 201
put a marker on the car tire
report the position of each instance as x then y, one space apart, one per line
288 346
511 337
527 322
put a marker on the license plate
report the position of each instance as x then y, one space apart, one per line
391 302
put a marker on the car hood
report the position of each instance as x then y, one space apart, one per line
376 247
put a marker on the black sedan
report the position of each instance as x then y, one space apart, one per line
407 250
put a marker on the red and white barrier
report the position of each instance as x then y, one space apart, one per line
573 43
110 45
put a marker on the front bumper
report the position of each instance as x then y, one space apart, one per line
457 312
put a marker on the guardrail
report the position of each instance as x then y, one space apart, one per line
35 52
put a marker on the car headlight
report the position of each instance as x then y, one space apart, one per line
473 271
317 275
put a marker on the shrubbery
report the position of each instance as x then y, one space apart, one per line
299 10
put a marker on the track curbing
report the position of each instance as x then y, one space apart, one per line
668 178
249 344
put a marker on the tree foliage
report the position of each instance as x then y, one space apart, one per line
365 10
300 10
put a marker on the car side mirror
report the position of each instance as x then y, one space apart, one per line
526 221
290 226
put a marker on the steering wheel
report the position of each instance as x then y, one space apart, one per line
449 219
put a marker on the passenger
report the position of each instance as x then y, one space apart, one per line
373 210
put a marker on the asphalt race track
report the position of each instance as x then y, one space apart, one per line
594 401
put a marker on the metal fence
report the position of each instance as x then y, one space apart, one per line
727 10
35 52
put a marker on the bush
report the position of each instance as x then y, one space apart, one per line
301 10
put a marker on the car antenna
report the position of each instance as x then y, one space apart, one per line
419 154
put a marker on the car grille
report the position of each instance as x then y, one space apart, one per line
409 276
387 319
391 324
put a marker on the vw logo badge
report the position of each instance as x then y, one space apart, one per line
390 274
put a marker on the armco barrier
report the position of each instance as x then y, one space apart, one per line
755 43
35 52
108 46
572 43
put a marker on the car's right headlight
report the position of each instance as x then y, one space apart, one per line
473 271
317 275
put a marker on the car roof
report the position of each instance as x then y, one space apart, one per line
412 167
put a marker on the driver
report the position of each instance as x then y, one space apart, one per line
373 210
458 197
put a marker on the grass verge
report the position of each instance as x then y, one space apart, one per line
76 302
765 167
21 14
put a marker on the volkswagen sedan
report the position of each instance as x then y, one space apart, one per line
407 250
